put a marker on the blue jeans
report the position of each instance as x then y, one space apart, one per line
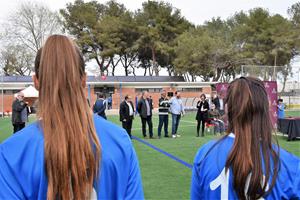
163 120
175 123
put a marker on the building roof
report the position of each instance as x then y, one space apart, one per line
21 82
108 79
136 79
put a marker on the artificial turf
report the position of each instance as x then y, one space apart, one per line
163 177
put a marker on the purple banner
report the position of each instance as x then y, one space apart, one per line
271 88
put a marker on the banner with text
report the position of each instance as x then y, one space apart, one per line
271 88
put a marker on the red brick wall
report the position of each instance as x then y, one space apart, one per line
116 99
8 99
155 96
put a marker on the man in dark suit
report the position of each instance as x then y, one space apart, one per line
127 114
216 101
18 108
145 110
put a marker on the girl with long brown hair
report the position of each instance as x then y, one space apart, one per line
68 153
245 163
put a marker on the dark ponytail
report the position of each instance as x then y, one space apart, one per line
250 121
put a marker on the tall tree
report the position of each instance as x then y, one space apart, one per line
159 24
294 12
16 60
193 52
119 33
81 20
25 32
105 32
266 39
31 24
225 58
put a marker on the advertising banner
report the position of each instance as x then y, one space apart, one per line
271 88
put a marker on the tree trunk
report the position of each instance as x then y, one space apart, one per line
154 65
125 65
114 65
284 82
150 71
186 75
100 64
133 70
113 70
169 71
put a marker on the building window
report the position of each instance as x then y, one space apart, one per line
150 90
105 90
190 89
10 92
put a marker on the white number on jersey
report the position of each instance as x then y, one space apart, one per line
223 181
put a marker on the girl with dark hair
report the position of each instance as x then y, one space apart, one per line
202 114
245 164
68 153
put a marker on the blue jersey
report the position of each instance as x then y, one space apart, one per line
280 111
22 169
209 180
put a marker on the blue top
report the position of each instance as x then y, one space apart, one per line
281 114
209 180
176 106
22 170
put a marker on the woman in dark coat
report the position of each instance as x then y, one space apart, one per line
202 114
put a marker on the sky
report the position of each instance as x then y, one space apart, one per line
196 11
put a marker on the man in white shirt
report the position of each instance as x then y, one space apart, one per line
127 114
177 109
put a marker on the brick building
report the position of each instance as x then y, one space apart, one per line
116 87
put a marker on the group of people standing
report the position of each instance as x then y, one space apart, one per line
145 107
210 114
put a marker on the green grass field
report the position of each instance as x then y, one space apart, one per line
163 177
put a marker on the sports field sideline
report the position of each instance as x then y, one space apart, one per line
165 163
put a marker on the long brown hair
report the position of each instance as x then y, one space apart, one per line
72 148
250 121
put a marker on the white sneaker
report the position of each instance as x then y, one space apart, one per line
173 136
177 135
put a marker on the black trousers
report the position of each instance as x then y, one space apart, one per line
163 121
150 125
203 126
127 126
18 127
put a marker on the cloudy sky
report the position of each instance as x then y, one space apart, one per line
197 11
